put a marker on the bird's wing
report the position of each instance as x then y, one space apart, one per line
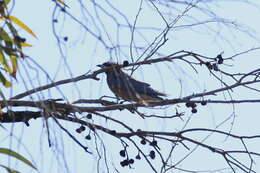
144 88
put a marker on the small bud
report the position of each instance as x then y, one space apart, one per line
113 132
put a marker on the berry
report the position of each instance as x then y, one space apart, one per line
131 161
203 103
194 110
88 137
220 59
208 64
152 154
122 153
124 163
215 67
188 104
143 142
65 38
125 63
82 128
138 157
89 116
153 143
78 130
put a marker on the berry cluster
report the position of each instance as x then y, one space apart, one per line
193 106
214 66
129 161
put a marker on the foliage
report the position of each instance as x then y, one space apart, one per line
11 43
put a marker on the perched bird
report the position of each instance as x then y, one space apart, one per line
127 88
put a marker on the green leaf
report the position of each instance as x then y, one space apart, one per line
14 65
9 170
8 40
4 35
4 62
17 156
7 1
22 25
5 82
62 2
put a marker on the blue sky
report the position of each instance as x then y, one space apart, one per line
82 53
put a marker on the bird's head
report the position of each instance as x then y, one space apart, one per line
109 66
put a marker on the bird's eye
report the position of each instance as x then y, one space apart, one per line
106 64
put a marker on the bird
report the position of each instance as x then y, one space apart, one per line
128 88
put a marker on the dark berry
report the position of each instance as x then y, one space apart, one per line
143 142
138 157
55 21
88 137
82 128
208 64
152 154
194 110
65 38
215 67
125 63
153 143
63 9
220 59
122 153
78 130
131 161
203 103
188 104
124 163
89 116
